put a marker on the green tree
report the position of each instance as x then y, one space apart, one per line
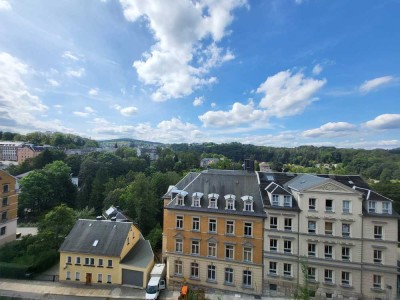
57 224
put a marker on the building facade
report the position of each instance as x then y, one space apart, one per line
8 150
9 207
28 151
213 231
333 232
106 252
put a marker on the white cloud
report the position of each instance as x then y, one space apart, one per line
287 94
128 111
238 115
5 5
186 42
87 112
331 129
198 101
370 85
20 110
58 106
93 92
69 55
169 131
75 72
385 121
53 82
213 104
317 69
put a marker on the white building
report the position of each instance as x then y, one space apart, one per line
337 228
8 150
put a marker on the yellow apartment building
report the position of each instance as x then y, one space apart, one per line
9 207
213 231
106 252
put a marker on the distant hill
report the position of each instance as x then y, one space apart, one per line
129 143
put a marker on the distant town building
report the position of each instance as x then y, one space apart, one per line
9 207
106 252
29 151
8 151
151 152
265 167
205 162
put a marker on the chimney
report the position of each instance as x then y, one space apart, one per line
249 165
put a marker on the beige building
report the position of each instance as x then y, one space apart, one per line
106 252
337 228
9 207
28 151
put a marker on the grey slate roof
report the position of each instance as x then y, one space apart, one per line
111 237
183 182
140 255
304 181
222 182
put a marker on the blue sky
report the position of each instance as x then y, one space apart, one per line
271 72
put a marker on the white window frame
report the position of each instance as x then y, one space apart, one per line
248 229
212 225
195 247
328 251
377 281
109 263
287 201
179 245
273 267
378 256
212 249
287 246
310 228
77 276
109 278
68 275
327 231
178 268
194 270
247 278
211 273
273 225
378 232
179 222
273 245
346 278
99 278
275 200
371 206
228 275
230 227
346 253
287 270
288 223
311 273
247 254
195 223
346 207
346 229
229 252
388 208
312 204
310 252
328 276
329 208
180 200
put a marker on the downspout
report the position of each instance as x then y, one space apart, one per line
362 253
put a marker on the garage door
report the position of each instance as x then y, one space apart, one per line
132 277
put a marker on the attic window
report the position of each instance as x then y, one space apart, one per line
230 202
95 243
213 198
270 177
247 203
196 199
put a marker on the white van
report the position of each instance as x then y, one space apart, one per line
155 285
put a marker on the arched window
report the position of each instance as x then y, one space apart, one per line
213 200
230 202
247 203
196 199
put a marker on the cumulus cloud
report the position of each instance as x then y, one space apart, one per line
331 129
93 92
373 84
238 115
69 55
385 121
53 82
287 94
198 101
317 69
20 110
85 113
168 131
5 5
213 104
75 72
128 111
186 46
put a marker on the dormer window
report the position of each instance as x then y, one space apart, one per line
386 207
212 200
247 203
230 202
371 206
275 200
180 200
196 199
287 201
